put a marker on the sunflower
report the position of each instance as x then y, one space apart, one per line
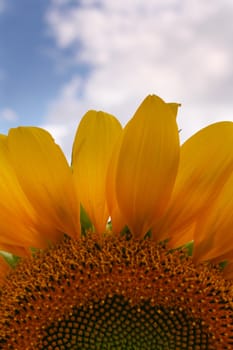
130 247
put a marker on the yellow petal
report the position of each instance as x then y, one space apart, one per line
185 236
20 251
174 107
92 151
46 179
117 219
213 235
147 165
206 161
17 216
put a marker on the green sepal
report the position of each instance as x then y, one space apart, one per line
11 259
86 224
189 246
223 264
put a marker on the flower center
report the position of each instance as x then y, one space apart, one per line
115 294
114 323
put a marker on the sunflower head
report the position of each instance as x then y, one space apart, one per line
129 247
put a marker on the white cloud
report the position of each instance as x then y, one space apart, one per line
61 135
8 114
180 50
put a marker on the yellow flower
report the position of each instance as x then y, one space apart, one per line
150 264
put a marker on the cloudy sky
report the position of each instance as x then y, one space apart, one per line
59 58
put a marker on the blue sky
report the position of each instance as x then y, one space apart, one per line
59 58
28 78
